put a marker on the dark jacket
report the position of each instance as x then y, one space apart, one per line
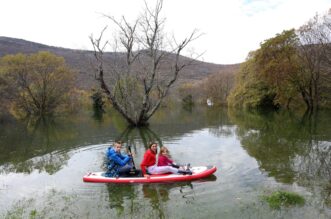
115 162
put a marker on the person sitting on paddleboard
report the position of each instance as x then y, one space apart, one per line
118 164
149 163
164 160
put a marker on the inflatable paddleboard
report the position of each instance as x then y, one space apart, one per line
197 173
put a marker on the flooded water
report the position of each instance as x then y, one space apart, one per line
42 164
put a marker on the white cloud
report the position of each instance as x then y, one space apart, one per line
232 28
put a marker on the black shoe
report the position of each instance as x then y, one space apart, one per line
184 172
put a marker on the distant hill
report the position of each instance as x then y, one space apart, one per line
81 61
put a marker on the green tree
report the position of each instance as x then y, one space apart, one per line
40 84
269 75
279 66
250 91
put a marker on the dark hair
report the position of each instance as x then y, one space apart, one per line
151 144
118 142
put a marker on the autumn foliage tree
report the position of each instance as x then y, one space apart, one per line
250 91
278 64
37 84
293 65
217 87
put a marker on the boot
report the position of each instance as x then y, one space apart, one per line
184 172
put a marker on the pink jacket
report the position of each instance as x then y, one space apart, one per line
164 161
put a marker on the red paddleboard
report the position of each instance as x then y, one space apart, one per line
197 173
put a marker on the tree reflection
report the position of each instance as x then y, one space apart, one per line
158 196
124 199
288 147
42 143
98 114
134 136
223 126
121 197
37 151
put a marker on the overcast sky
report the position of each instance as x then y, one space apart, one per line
231 28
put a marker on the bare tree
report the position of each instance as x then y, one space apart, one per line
314 53
137 86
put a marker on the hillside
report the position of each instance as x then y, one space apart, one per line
81 61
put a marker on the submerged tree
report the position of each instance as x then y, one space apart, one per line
140 76
38 84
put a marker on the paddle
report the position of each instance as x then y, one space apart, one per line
134 166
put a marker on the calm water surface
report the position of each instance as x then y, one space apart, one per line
42 164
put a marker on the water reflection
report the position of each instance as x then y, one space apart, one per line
98 114
159 194
290 148
132 136
124 199
39 137
118 194
43 144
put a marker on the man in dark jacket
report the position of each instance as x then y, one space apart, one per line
118 164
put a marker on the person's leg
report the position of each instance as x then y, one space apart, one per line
175 166
126 168
162 169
